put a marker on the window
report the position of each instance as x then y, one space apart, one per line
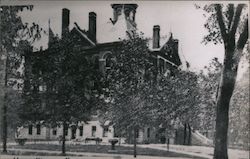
93 132
161 65
148 132
108 62
66 130
105 131
42 88
81 131
38 129
54 132
30 129
137 133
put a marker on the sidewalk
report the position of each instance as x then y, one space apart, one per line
200 151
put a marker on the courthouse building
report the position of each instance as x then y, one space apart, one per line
163 49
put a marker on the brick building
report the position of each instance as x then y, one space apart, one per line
97 49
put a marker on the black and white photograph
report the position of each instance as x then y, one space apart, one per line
124 79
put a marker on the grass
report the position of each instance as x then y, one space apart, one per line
95 149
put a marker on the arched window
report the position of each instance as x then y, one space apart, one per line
108 62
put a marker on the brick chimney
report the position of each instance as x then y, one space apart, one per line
65 21
156 37
92 26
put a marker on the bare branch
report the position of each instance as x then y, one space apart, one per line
243 36
236 19
221 22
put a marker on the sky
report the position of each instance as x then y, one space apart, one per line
179 17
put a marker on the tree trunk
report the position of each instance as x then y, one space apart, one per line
185 134
4 63
5 125
135 153
226 88
176 137
63 139
189 134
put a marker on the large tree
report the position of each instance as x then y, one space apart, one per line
209 79
181 85
70 84
16 37
128 83
228 25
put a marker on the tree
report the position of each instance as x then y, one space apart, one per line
227 25
70 84
181 85
239 113
15 38
209 81
128 81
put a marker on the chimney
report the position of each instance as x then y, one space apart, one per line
156 37
92 26
65 21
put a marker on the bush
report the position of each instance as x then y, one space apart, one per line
21 141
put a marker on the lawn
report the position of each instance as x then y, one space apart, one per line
102 149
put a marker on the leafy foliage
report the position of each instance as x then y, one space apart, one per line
68 82
140 96
239 113
128 84
209 84
228 25
16 39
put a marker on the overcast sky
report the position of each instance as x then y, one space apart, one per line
180 17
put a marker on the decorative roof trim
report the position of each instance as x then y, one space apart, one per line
160 57
83 35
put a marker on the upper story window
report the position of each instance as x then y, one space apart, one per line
42 88
161 65
108 62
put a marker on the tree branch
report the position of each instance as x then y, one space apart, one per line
230 15
243 36
236 19
221 22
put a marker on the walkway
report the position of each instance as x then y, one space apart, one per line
201 151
